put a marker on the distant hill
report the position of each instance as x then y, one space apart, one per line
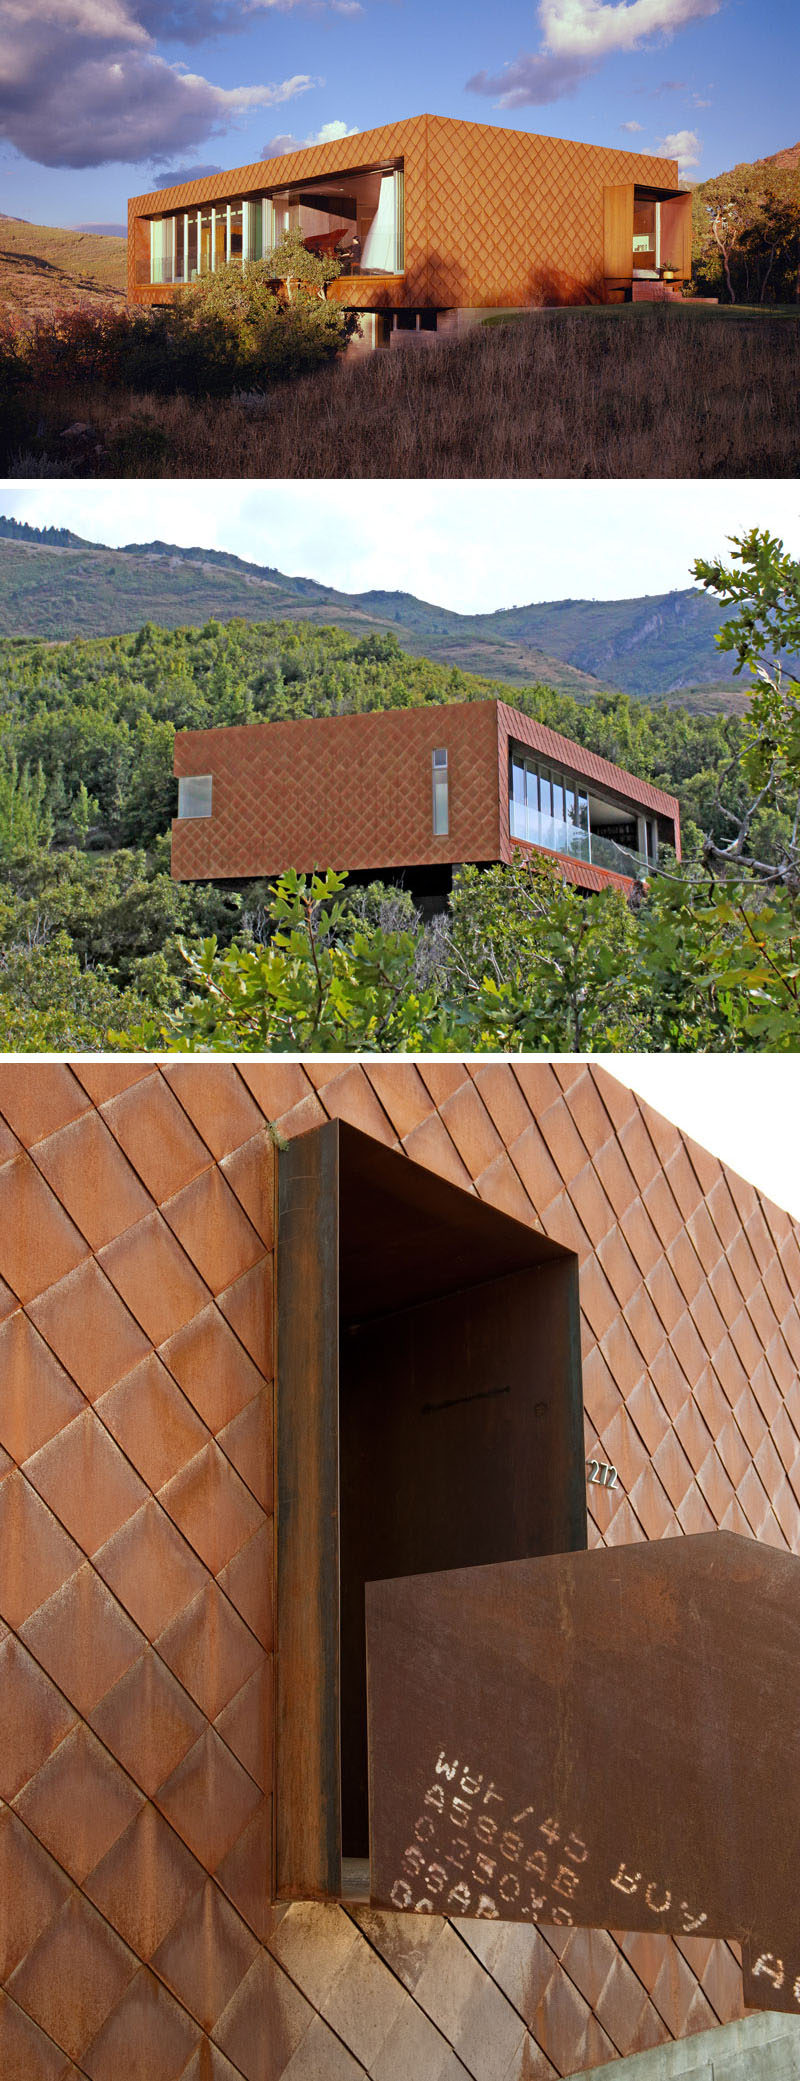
54 584
43 269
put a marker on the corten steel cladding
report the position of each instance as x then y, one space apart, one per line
492 217
596 1739
354 792
137 1934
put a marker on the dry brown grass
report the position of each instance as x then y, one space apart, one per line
625 392
44 269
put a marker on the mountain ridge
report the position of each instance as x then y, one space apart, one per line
55 584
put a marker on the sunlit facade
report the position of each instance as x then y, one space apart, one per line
431 221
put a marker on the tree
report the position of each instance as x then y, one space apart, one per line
762 584
300 271
747 231
539 965
25 820
306 989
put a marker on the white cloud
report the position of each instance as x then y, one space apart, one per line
631 126
83 85
683 145
534 77
594 28
474 545
330 132
576 36
277 147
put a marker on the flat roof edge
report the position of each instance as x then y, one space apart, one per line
323 154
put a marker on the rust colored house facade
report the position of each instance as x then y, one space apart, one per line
411 791
432 217
145 1440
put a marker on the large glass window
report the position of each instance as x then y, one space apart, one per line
235 231
551 808
206 249
357 217
353 215
253 229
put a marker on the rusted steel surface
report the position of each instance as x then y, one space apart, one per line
355 790
307 1705
389 1277
111 1643
606 1739
458 177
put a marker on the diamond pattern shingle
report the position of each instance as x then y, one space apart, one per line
354 791
135 1630
492 216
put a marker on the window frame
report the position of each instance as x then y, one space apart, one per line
187 781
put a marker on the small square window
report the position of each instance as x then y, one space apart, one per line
194 795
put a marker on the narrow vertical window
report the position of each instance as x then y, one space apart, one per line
441 812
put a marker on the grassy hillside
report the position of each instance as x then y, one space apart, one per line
660 648
614 391
43 269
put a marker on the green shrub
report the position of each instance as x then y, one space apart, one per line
229 331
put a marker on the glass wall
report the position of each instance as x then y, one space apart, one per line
357 217
550 807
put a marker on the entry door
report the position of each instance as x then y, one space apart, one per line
429 1415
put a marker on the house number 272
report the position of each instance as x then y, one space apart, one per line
600 1472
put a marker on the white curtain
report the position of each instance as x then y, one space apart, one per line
380 244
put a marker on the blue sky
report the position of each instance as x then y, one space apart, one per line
101 98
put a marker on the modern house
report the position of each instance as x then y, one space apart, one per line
472 1328
433 220
411 793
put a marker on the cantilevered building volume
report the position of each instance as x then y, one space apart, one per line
434 221
411 793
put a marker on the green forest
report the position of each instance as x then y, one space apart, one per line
99 947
